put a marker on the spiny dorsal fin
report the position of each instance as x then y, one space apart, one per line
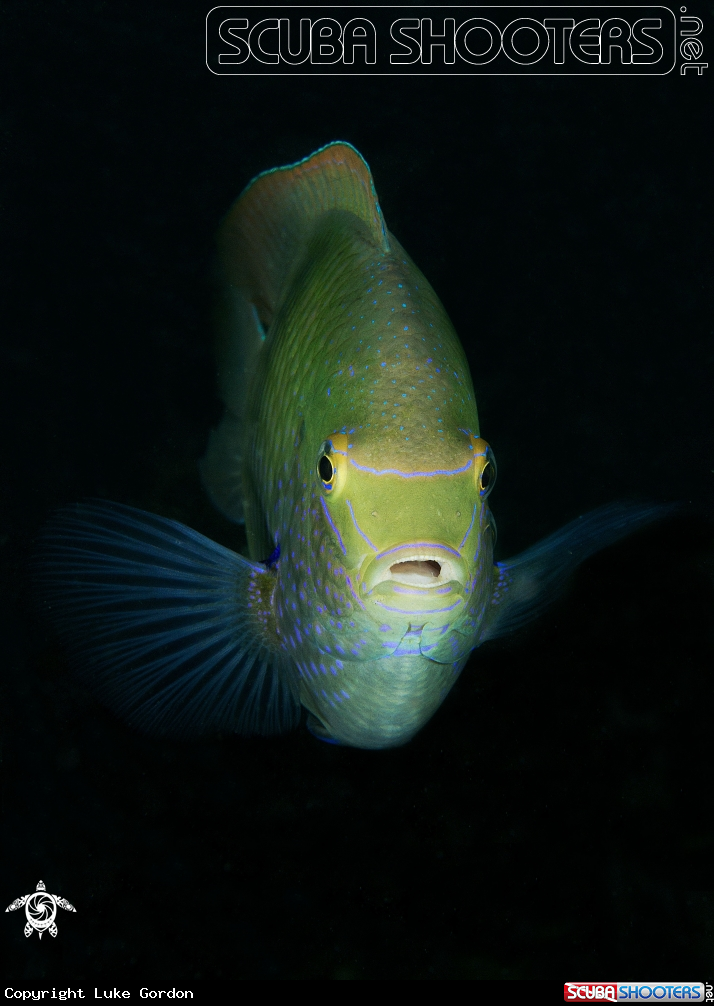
267 228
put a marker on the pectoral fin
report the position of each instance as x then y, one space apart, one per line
528 583
174 631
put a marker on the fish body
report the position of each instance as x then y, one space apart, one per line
386 567
351 450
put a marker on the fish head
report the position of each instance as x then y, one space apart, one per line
412 535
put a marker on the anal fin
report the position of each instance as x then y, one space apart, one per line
319 731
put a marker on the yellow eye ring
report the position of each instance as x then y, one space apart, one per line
331 463
486 479
485 466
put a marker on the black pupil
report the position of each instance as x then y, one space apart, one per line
486 476
325 468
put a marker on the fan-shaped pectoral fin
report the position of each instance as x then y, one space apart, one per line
175 632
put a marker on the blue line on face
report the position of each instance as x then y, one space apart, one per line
352 591
420 611
358 528
331 523
473 518
418 544
412 475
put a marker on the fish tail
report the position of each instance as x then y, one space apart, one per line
172 630
222 471
529 582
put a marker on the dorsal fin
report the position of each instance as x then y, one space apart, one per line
266 230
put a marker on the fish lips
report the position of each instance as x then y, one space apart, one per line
423 566
422 581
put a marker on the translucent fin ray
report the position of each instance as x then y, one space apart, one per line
529 582
171 629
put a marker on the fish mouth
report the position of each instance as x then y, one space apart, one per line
422 565
419 572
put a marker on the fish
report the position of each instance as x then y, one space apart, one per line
350 449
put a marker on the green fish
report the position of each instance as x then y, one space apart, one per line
351 450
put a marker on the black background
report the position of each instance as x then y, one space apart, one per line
554 820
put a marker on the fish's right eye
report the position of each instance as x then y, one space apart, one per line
326 470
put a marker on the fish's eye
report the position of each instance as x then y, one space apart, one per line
326 470
487 478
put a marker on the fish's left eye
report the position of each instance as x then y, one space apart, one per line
326 470
487 478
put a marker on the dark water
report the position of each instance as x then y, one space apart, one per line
554 820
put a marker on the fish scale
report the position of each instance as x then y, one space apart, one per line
358 326
351 449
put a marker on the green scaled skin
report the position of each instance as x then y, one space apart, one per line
351 445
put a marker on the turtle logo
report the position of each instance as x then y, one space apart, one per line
40 909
